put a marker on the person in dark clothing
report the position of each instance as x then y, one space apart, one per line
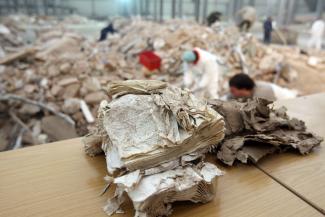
213 17
267 30
105 31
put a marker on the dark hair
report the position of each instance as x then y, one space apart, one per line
242 81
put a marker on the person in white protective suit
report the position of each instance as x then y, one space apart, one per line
201 73
317 32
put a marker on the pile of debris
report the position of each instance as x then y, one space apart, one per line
17 31
239 51
47 84
155 137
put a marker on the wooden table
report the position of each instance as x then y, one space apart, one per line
305 175
58 179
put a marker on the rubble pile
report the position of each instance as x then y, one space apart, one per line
155 137
238 52
17 31
170 39
254 130
47 84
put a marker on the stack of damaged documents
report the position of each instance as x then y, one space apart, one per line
254 130
155 137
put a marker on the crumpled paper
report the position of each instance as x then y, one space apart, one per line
254 130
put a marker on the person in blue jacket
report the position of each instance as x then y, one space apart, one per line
267 30
105 31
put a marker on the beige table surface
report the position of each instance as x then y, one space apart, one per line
303 174
59 180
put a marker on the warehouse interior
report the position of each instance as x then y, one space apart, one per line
136 106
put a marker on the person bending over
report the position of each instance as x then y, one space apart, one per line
242 86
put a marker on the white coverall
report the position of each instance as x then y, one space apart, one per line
272 91
317 32
202 77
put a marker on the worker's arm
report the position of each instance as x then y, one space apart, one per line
188 76
281 93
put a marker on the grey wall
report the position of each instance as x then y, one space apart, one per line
151 8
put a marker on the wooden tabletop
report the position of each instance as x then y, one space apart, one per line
305 175
59 180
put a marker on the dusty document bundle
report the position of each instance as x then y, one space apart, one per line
155 137
254 130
